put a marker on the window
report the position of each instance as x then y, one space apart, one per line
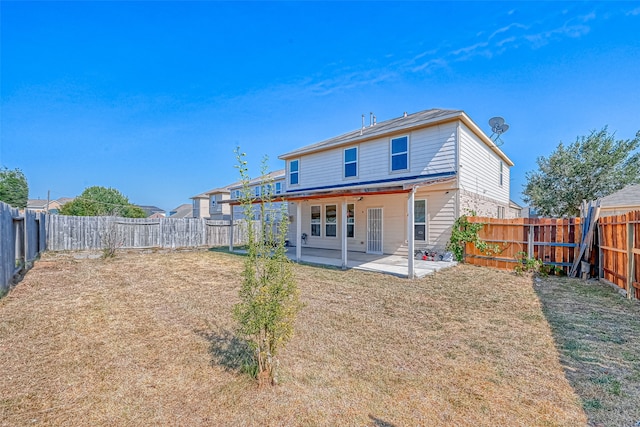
351 162
501 174
330 217
278 187
351 220
294 171
500 211
420 220
400 153
257 191
315 221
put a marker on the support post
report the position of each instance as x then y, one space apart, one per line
231 230
343 219
530 242
410 234
298 230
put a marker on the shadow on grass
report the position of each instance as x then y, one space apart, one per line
227 350
377 422
595 330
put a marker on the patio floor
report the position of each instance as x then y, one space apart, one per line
388 264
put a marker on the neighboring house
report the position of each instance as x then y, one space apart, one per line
274 182
200 205
152 211
515 210
40 205
182 211
216 208
622 201
395 186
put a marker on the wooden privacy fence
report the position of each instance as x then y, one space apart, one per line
89 233
554 241
619 251
22 239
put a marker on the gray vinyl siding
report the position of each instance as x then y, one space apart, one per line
480 168
431 150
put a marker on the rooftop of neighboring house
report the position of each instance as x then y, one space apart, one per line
150 210
628 196
182 211
271 176
406 122
42 203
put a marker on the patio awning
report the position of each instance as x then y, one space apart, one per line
370 188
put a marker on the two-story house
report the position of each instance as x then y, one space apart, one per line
274 182
394 186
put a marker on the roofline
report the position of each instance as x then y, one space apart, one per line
456 115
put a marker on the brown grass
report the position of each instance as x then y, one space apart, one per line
147 339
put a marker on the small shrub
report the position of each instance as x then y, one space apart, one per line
534 266
464 232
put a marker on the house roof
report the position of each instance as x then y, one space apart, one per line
36 203
407 122
183 211
277 174
150 210
629 196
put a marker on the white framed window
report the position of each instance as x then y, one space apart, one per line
351 162
294 172
256 191
399 153
420 220
501 172
316 220
351 220
501 212
330 220
278 187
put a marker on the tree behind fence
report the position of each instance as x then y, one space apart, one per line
90 233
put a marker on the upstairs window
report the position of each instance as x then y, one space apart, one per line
257 191
400 153
278 187
351 162
294 172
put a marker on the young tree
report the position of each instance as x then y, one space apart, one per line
14 189
594 166
102 201
269 296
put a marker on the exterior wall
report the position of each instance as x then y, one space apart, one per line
482 205
613 211
440 199
219 210
200 207
480 171
431 150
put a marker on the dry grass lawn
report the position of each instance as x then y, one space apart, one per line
147 339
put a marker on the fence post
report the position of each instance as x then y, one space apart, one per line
630 260
530 242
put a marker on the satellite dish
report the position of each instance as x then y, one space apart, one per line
498 127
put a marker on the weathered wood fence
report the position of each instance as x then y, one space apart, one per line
90 233
554 241
22 239
619 249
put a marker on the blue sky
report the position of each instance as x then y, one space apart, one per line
152 97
